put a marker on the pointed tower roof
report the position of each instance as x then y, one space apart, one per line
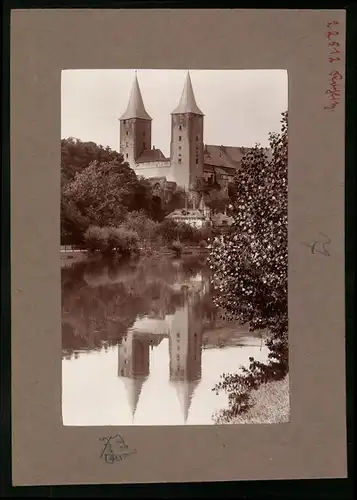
185 390
187 102
136 108
133 387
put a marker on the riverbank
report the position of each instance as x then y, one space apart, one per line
69 255
271 404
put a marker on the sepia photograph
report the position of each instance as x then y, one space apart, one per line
174 247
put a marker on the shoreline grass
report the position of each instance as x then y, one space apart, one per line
271 404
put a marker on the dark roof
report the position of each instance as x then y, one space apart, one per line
187 102
219 170
151 155
224 156
136 108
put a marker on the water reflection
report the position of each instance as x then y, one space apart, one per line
156 312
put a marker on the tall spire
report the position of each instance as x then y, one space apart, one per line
187 102
185 390
136 108
133 387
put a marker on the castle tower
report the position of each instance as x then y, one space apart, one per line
185 344
135 127
133 366
187 140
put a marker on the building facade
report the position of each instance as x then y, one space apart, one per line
191 161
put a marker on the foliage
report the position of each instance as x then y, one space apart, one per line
268 404
109 239
139 222
217 200
177 201
124 241
73 223
96 239
105 192
100 194
170 230
203 244
176 246
249 264
76 155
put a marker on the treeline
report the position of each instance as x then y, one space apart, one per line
106 207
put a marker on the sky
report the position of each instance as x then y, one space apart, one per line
241 107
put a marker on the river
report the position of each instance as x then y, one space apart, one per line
143 343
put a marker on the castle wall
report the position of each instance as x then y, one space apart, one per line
154 169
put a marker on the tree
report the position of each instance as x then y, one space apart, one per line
177 201
77 155
217 200
249 265
139 222
73 223
105 192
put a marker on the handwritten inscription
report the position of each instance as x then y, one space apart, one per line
320 246
115 449
334 90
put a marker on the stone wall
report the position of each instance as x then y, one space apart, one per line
154 169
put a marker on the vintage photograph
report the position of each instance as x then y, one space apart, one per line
174 247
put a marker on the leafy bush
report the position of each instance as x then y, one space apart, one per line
176 247
112 239
124 240
250 265
203 244
96 239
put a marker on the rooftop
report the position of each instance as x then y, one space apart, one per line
151 155
136 108
187 102
186 213
224 156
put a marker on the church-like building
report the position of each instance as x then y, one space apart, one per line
191 162
184 331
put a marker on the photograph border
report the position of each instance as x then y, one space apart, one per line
17 458
173 83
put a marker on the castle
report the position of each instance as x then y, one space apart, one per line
184 330
192 163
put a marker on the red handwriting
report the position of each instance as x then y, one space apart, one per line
334 90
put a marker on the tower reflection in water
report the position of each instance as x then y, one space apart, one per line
183 329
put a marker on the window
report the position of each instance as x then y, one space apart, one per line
144 145
143 134
179 147
127 133
180 127
196 161
179 138
126 155
196 137
126 144
124 122
179 160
